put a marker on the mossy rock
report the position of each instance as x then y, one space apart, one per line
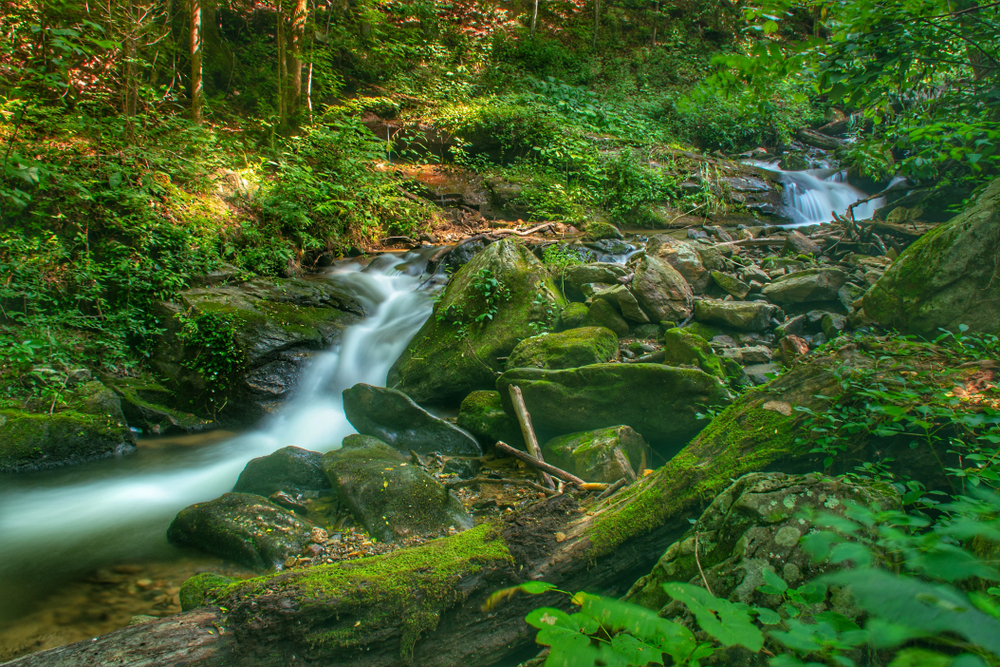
573 316
603 314
146 406
806 286
660 402
393 417
603 273
739 315
597 231
452 354
92 428
483 416
730 284
194 591
242 527
591 455
681 346
290 469
569 349
947 278
392 498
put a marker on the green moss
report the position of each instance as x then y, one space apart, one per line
353 603
194 591
29 440
483 416
569 349
682 346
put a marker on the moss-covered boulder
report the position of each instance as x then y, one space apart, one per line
242 527
605 455
739 315
806 286
194 592
290 469
604 273
604 314
624 301
457 351
393 417
573 316
597 231
147 405
389 495
660 402
239 349
683 347
88 425
661 290
483 416
947 277
569 349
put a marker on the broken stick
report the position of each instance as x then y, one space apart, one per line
524 419
541 465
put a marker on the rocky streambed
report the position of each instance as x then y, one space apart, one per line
679 366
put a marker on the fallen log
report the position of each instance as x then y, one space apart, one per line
424 605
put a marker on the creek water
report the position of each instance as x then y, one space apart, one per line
59 526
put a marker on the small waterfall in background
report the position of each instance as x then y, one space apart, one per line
59 521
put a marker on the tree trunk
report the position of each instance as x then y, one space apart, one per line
282 67
196 47
597 20
299 17
534 18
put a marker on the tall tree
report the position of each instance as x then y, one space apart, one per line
299 17
196 47
534 19
282 67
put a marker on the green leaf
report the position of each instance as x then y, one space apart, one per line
536 587
635 652
724 621
918 657
773 580
767 616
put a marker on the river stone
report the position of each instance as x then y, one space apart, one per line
595 272
393 417
734 286
290 469
390 496
442 365
603 314
661 290
569 349
242 527
754 525
739 315
597 231
591 455
799 244
483 416
660 402
948 277
806 286
573 316
683 347
684 258
626 302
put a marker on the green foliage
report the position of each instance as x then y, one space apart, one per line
213 353
490 293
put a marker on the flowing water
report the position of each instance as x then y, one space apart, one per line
57 526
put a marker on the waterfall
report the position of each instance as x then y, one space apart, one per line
57 521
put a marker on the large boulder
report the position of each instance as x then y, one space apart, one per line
806 286
90 426
948 277
457 351
482 415
605 455
625 302
239 349
569 349
684 257
393 417
242 527
661 290
290 469
595 272
660 402
389 495
739 315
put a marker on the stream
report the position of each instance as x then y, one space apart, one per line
61 526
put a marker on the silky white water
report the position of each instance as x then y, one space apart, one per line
812 197
58 521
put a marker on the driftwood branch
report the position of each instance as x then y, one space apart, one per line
487 480
524 419
541 465
611 489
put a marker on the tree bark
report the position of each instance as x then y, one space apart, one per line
196 52
597 21
299 17
282 67
534 18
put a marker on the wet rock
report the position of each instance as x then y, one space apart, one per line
290 469
453 354
604 455
146 406
660 402
739 315
612 247
603 314
390 496
661 290
393 417
463 253
483 416
682 347
573 316
947 277
569 349
734 286
799 244
626 302
241 527
806 286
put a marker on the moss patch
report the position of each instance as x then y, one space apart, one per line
30 441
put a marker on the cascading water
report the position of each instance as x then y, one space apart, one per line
56 522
